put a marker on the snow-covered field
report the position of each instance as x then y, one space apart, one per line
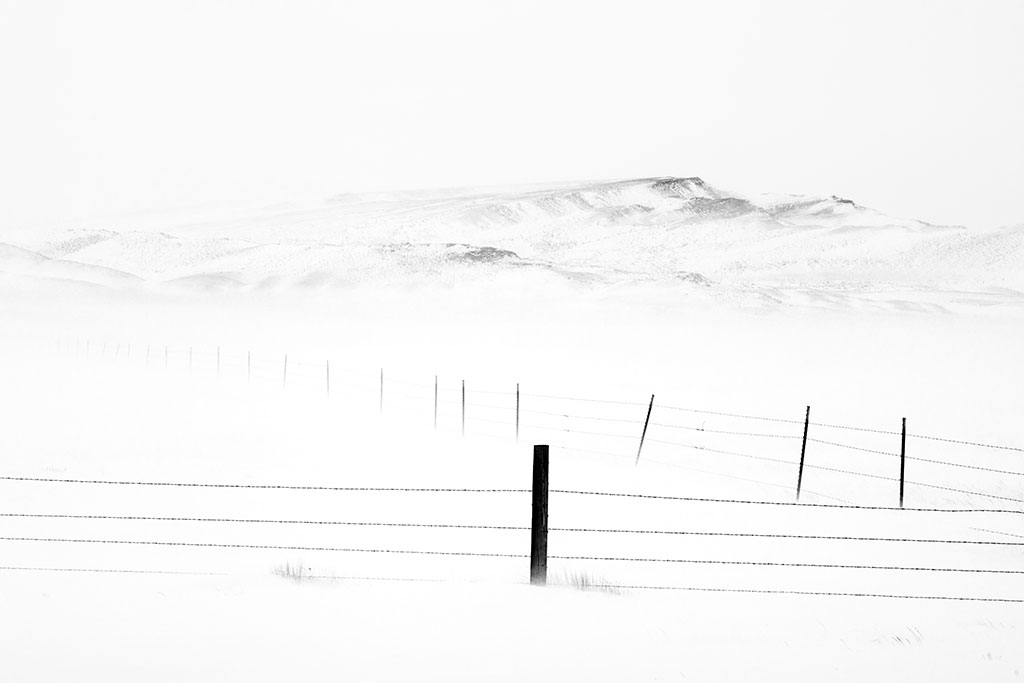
713 303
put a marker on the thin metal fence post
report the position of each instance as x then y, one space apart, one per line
284 375
539 526
463 407
435 402
517 412
644 433
803 452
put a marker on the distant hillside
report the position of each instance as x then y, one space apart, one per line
678 232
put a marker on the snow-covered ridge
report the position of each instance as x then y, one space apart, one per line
612 232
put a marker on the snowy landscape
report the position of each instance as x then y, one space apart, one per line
192 377
388 341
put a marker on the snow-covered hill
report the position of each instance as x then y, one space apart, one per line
675 232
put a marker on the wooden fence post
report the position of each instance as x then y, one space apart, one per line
803 452
903 459
284 375
644 433
463 407
539 526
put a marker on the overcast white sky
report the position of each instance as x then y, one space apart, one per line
912 107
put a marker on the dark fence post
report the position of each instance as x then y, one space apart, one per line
517 412
644 433
803 452
463 407
539 527
435 402
903 458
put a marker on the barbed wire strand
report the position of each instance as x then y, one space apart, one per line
892 596
259 486
802 565
256 546
734 501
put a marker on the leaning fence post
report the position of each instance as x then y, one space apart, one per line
539 526
903 459
803 451
644 433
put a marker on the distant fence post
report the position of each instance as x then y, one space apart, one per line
147 355
903 459
328 369
643 434
539 527
435 402
517 412
803 452
165 357
117 350
218 361
284 375
128 354
190 359
248 366
382 391
463 407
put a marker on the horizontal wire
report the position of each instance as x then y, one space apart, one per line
853 448
970 493
580 417
736 415
584 400
691 499
719 431
919 459
254 546
578 431
259 486
854 429
721 452
727 534
967 443
265 521
807 565
112 571
809 593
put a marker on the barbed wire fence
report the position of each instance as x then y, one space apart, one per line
623 425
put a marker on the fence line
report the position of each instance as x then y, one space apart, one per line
200 357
